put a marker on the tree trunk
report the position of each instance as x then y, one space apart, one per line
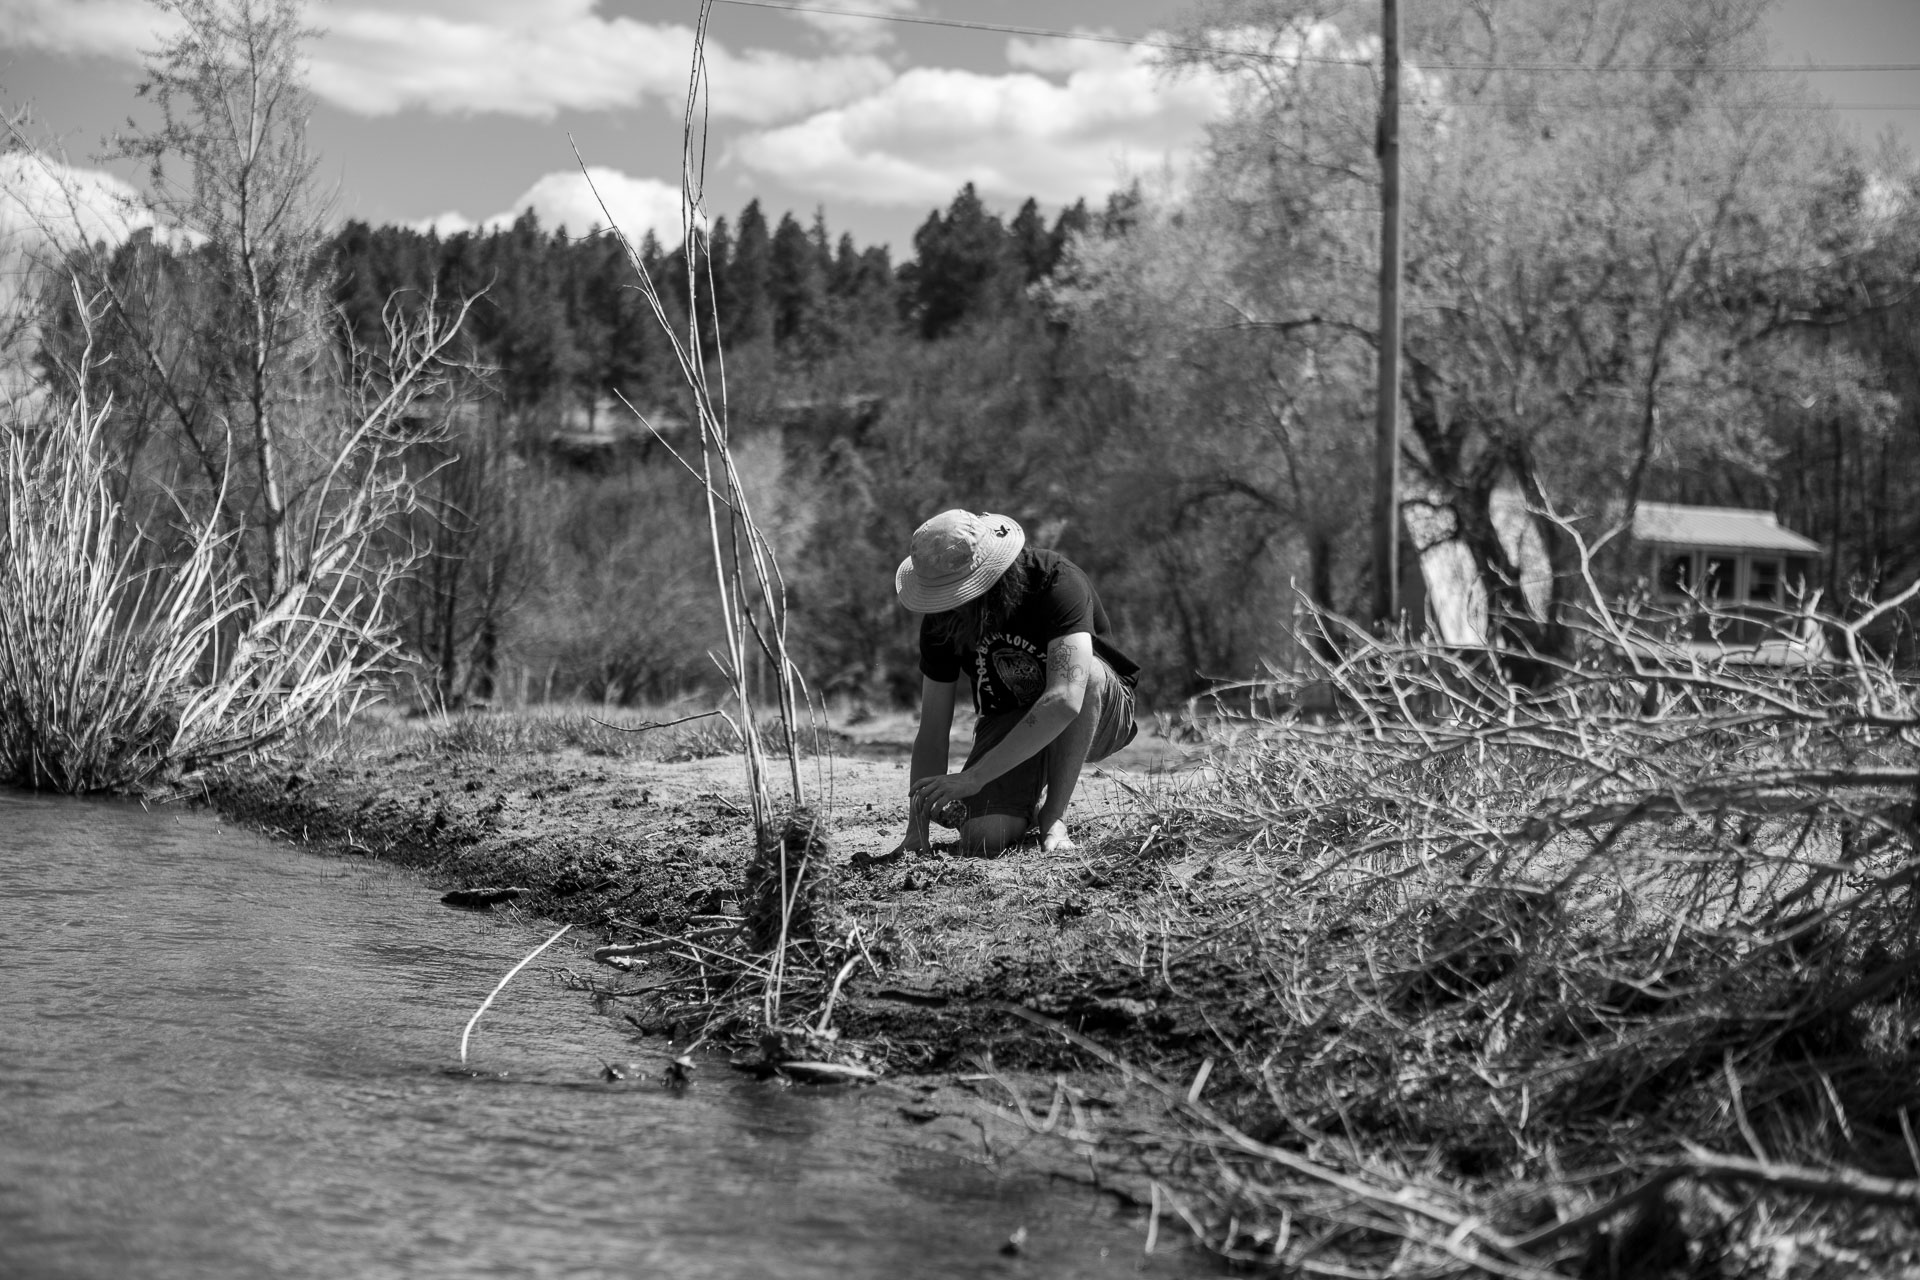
486 658
1320 591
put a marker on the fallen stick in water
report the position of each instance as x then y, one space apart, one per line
502 987
825 1072
604 954
481 899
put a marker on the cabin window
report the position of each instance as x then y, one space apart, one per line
1676 574
1763 581
1717 577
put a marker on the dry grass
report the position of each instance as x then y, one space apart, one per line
667 734
132 658
1497 982
663 734
118 677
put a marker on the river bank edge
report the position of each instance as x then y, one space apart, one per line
601 837
1119 1014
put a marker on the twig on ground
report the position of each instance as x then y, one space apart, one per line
654 724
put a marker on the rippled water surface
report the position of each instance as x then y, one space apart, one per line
220 1057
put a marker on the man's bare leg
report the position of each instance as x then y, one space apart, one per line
1066 755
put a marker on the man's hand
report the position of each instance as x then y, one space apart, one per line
938 789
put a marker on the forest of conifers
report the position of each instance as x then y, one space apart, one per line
1652 277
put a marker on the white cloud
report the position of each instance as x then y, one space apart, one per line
638 205
1059 57
916 140
450 223
49 209
761 86
530 58
863 34
119 29
566 199
548 56
46 205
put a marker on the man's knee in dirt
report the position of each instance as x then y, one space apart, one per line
991 834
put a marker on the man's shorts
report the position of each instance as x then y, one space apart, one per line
1017 791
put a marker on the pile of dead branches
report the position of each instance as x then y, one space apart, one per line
1622 968
762 973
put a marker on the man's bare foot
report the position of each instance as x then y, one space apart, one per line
1056 839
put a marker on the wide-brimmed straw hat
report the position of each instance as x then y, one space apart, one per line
956 556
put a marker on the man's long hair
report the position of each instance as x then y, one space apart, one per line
983 615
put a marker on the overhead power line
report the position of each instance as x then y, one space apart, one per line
1175 46
1044 33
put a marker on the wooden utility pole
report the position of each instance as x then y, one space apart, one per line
1386 431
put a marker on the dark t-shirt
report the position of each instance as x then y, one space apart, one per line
1009 666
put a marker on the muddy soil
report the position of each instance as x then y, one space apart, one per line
614 842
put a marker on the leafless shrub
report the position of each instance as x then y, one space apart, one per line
1505 970
778 964
127 662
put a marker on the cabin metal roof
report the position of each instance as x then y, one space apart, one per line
1730 527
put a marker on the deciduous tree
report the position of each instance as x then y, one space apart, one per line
1608 223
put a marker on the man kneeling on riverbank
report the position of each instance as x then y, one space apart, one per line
1051 691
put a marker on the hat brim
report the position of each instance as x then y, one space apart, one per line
917 595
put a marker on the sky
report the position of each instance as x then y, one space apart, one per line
459 113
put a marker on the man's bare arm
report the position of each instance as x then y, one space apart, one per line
1069 666
930 750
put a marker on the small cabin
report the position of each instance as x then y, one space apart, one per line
1743 564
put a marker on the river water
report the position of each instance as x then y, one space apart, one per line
222 1057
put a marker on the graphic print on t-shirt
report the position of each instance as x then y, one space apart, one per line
1007 669
1011 667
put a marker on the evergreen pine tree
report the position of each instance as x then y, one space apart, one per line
965 266
750 318
795 285
1036 249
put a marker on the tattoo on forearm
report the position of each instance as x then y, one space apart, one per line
1064 667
